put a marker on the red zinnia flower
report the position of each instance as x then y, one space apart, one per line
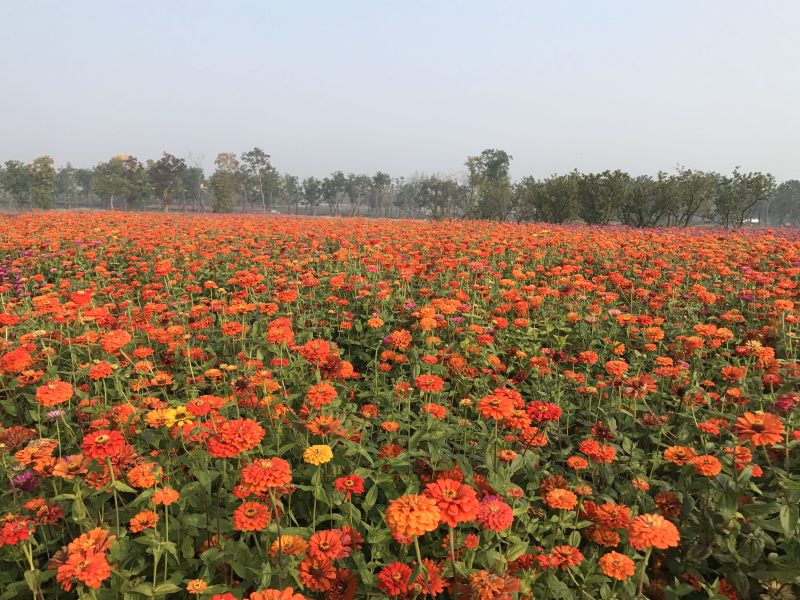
393 578
429 383
350 484
495 514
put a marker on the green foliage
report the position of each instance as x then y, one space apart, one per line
490 184
602 196
165 177
123 177
43 178
681 198
16 181
739 194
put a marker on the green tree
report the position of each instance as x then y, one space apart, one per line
224 182
527 200
379 188
67 186
552 200
785 205
693 190
193 185
490 184
290 189
648 201
43 178
443 197
333 187
356 187
312 193
165 177
260 176
739 194
602 195
84 177
17 182
123 177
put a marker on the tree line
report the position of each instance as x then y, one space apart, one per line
250 183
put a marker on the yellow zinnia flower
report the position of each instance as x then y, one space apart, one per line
318 455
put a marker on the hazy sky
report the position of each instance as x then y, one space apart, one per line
406 86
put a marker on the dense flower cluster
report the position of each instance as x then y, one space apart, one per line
237 408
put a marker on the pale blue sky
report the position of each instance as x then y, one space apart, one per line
406 86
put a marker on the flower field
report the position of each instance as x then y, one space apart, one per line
285 408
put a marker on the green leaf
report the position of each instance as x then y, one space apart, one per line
123 487
370 498
32 579
788 518
163 589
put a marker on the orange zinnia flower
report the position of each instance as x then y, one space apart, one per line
652 531
566 556
561 499
577 462
321 394
413 515
266 473
16 361
457 501
760 428
612 515
196 587
145 475
604 536
97 540
318 575
143 520
485 585
115 340
706 465
251 516
679 455
429 383
103 444
53 393
496 406
289 545
617 565
327 545
234 437
165 496
89 567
